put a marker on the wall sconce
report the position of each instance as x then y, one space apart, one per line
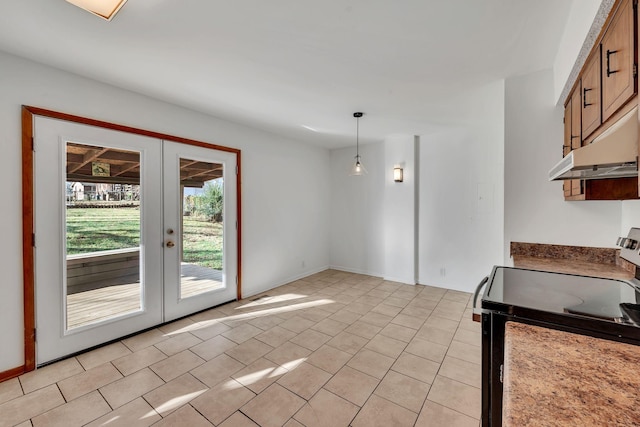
397 174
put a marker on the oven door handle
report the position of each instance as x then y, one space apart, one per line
477 311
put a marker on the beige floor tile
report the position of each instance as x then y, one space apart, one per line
203 316
370 300
468 352
311 339
398 332
183 417
48 375
386 309
416 367
305 380
259 375
416 312
428 350
238 419
25 424
434 414
446 313
208 329
213 347
169 397
352 385
403 390
442 323
297 324
249 351
433 334
456 395
178 327
379 294
359 308
220 402
145 339
137 413
376 319
452 305
329 327
314 314
380 412
275 336
178 343
326 409
468 337
216 370
102 355
408 321
30 405
364 330
397 302
176 365
75 413
242 333
385 345
345 316
468 324
10 389
131 387
329 359
462 371
347 342
266 322
88 381
457 296
288 355
371 363
127 365
273 407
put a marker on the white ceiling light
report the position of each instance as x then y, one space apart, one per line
105 9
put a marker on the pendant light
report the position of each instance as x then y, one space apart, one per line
358 169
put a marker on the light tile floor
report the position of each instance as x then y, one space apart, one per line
334 349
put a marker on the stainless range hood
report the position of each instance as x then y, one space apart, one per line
614 154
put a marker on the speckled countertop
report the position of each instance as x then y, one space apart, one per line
554 378
588 261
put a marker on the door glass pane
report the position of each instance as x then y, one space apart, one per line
102 192
201 260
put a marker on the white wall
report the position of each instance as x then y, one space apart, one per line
400 210
285 188
580 19
630 216
535 210
357 211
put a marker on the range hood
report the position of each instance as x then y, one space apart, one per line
614 154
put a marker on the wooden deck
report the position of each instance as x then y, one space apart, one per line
112 300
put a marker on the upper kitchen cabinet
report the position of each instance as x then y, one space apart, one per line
591 106
618 60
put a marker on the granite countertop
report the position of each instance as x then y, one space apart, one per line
587 261
554 378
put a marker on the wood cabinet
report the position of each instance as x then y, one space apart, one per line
573 188
618 60
591 105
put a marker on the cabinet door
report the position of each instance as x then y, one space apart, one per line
576 117
566 145
618 80
591 111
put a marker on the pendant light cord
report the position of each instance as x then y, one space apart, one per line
357 137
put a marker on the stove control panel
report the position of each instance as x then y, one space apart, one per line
630 246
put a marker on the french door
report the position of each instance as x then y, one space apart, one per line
130 231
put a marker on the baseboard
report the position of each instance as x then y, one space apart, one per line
12 373
355 270
400 280
285 281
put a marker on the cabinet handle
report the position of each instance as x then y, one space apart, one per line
609 53
584 97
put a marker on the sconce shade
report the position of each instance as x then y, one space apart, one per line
397 174
105 9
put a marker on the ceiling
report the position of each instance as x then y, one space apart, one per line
297 68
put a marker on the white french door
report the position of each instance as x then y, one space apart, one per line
131 231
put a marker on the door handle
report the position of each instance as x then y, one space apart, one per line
584 97
609 71
170 244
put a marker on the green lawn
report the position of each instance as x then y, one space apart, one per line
100 229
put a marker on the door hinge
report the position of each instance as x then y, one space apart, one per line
236 280
635 70
33 144
34 334
236 225
501 373
236 169
33 239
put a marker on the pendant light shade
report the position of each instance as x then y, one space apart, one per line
358 168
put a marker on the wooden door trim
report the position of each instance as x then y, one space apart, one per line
28 269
